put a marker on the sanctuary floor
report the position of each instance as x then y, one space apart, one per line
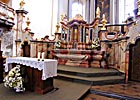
130 91
66 90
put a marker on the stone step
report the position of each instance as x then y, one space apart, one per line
93 80
83 74
87 72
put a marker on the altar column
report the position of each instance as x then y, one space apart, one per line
20 18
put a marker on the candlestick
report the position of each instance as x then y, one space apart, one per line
42 56
38 55
103 22
98 12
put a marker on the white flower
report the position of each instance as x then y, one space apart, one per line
95 43
58 44
19 78
11 73
18 74
14 79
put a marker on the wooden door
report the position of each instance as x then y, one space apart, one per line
134 65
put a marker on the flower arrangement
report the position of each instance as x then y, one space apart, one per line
95 44
58 44
14 80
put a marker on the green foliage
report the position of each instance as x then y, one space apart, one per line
58 44
14 80
95 44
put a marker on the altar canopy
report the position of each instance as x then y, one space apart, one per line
48 66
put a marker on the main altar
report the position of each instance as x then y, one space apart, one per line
75 45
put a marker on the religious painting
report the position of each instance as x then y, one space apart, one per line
104 8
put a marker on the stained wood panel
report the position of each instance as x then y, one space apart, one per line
134 69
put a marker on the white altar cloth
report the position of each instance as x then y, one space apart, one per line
48 66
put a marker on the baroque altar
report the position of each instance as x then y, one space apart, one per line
75 45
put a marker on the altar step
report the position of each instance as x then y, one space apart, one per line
93 76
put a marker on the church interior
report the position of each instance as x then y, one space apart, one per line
70 49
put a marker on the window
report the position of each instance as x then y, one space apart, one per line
126 8
129 7
77 8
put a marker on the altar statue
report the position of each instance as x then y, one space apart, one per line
22 3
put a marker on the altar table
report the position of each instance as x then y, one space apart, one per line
40 73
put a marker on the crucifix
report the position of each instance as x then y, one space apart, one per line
102 4
102 1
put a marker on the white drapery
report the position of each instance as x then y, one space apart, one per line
48 66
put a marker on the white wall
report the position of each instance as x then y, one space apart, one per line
42 14
63 8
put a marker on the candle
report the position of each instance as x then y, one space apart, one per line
38 55
42 55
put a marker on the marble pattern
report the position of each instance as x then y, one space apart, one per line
98 97
130 90
7 43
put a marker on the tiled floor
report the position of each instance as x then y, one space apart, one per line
98 97
130 90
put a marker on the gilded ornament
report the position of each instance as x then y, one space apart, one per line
22 3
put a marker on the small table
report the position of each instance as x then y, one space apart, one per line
40 73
